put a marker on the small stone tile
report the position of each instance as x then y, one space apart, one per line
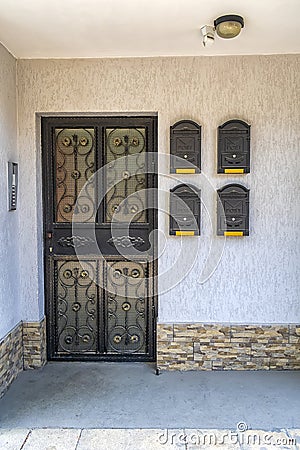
183 365
188 332
164 332
201 332
260 363
12 439
131 439
294 339
52 439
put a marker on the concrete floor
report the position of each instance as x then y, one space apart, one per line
129 395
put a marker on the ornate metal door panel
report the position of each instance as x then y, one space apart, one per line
127 307
76 306
100 296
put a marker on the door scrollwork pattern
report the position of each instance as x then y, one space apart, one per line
126 241
75 241
76 318
126 199
75 165
126 307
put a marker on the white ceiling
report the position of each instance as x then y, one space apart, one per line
109 28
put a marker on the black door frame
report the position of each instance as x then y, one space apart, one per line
48 122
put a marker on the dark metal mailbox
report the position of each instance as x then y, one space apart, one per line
185 209
185 147
233 210
234 147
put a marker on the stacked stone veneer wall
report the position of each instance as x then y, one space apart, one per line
225 347
34 344
11 357
23 348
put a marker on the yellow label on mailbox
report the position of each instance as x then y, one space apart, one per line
185 170
233 170
185 233
233 233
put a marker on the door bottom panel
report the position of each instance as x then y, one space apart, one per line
101 309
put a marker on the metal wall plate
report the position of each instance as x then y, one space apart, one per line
12 186
185 147
234 147
233 210
185 210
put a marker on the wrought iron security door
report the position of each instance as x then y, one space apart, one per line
99 210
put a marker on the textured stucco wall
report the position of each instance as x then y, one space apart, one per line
9 238
257 280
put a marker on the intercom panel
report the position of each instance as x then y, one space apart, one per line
12 185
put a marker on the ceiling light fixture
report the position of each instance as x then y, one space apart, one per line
226 27
229 26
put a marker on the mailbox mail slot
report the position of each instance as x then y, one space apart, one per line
233 211
185 209
185 147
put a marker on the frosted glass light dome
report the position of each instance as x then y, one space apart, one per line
229 26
